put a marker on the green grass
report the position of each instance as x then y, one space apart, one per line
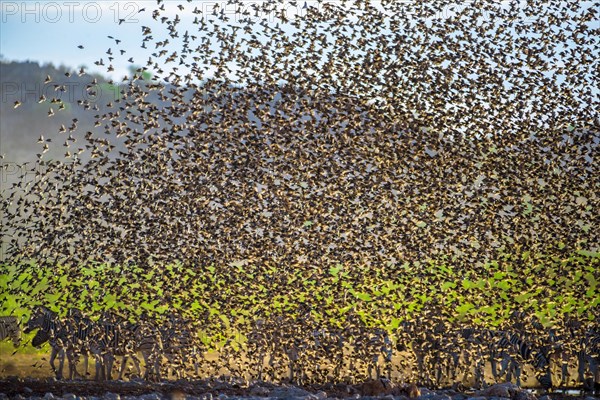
226 299
6 347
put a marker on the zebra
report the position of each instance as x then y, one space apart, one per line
52 330
293 347
10 329
110 337
463 349
79 331
442 359
66 339
425 344
107 340
588 358
368 346
541 365
515 351
328 346
40 338
380 346
558 354
43 336
480 346
179 345
147 340
103 340
258 346
552 352
268 342
406 347
125 339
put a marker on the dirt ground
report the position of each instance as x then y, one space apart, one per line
30 375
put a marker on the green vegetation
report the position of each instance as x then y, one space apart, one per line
6 348
226 300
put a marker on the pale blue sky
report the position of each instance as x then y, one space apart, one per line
50 31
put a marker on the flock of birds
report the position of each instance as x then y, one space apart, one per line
354 133
429 352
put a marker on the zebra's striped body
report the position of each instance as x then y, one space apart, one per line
514 351
379 347
145 338
52 331
107 339
79 331
541 365
106 343
110 342
328 344
115 337
10 329
588 360
258 347
179 345
464 351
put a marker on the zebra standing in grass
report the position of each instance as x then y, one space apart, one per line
541 365
472 355
327 345
52 330
461 350
10 329
41 337
495 348
480 347
108 340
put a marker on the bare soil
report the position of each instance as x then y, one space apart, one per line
29 375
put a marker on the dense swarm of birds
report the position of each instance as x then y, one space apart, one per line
272 147
302 350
